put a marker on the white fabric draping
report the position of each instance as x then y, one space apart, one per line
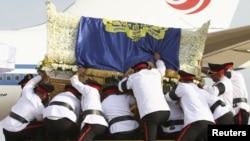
7 57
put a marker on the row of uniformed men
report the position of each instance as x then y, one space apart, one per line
61 115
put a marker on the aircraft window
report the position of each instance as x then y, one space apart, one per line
8 77
17 77
1 77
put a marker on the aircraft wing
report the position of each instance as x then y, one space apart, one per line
231 45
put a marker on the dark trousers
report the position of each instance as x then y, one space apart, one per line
34 131
169 136
61 129
196 131
226 119
151 122
89 131
128 135
241 118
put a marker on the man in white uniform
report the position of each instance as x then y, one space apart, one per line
240 95
222 113
146 85
93 123
116 108
197 114
61 116
222 86
173 126
25 121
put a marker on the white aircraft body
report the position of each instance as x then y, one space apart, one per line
31 42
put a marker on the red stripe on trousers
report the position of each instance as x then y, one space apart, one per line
146 130
84 133
240 118
34 126
183 132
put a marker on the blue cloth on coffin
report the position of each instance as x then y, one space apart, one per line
97 47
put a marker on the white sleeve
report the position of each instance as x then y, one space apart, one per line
30 85
213 90
161 67
122 85
77 84
167 97
132 100
32 82
39 111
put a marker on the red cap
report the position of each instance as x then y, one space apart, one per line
216 68
110 90
228 65
71 89
41 89
140 65
93 84
185 75
45 88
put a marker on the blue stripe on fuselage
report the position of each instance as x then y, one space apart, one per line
13 78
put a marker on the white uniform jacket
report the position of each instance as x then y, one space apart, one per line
175 114
90 101
58 111
29 106
116 106
147 88
223 89
193 103
221 108
239 91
